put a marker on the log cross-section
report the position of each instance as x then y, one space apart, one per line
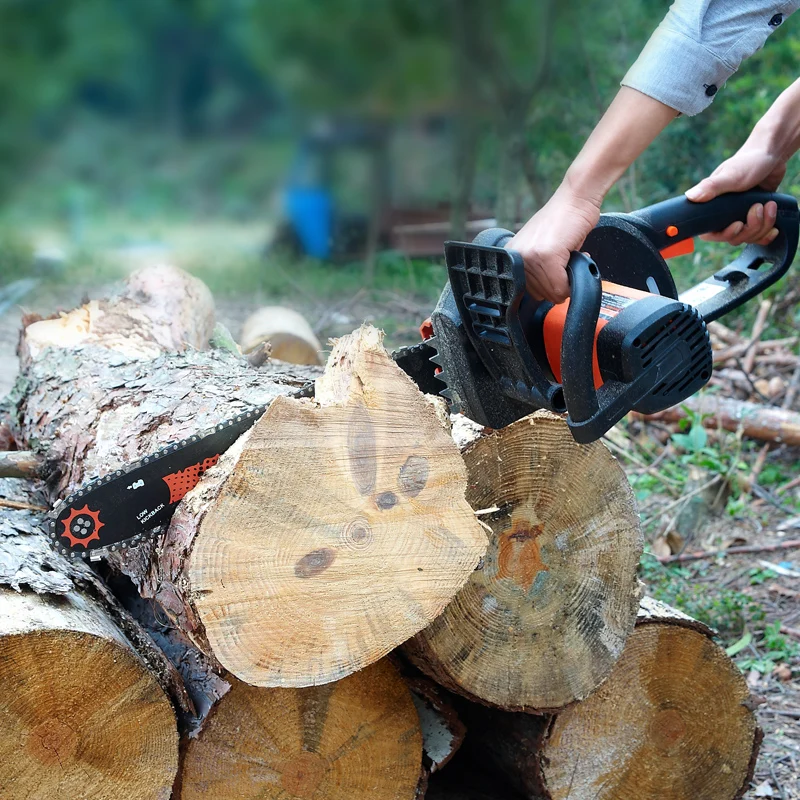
357 739
545 619
83 708
339 530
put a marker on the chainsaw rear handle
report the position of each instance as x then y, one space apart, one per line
758 266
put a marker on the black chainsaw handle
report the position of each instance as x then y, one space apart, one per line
679 218
753 271
577 343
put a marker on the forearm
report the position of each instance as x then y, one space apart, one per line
631 123
778 131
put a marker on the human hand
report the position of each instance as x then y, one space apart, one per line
547 239
752 166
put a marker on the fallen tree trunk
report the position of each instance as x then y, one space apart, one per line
356 739
543 621
674 720
287 333
326 536
83 709
767 423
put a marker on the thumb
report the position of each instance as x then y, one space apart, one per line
703 191
713 186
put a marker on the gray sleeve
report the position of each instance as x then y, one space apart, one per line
699 45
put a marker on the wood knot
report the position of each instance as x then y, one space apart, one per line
314 563
386 500
414 475
358 535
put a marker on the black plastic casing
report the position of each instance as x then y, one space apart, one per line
662 345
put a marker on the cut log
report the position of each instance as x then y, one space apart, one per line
325 537
767 423
357 739
335 530
289 335
545 619
674 722
81 713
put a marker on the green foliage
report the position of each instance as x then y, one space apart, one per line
728 611
773 649
759 575
188 109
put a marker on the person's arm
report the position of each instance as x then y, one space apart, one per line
760 161
629 125
697 47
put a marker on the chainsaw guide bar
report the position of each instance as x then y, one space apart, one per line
134 504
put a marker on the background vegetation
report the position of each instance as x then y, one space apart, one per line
123 119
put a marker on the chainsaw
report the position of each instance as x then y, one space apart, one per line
625 340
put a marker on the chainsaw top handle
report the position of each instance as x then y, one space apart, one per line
758 266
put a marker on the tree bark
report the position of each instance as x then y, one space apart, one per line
357 738
674 720
83 705
543 621
326 536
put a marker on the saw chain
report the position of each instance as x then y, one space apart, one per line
134 504
131 505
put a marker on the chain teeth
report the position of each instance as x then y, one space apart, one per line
447 391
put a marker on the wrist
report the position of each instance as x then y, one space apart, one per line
584 183
777 133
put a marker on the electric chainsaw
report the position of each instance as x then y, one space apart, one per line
625 340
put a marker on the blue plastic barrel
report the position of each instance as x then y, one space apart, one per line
309 210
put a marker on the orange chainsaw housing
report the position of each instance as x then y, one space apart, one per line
615 298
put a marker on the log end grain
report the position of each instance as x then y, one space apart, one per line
80 715
341 531
290 337
672 721
357 739
545 619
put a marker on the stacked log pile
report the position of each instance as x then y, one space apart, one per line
285 636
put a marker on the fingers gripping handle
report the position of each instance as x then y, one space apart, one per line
679 218
758 267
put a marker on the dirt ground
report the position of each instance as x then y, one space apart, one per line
778 770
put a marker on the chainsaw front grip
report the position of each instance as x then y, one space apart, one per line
577 344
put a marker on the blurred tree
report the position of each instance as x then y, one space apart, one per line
521 83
